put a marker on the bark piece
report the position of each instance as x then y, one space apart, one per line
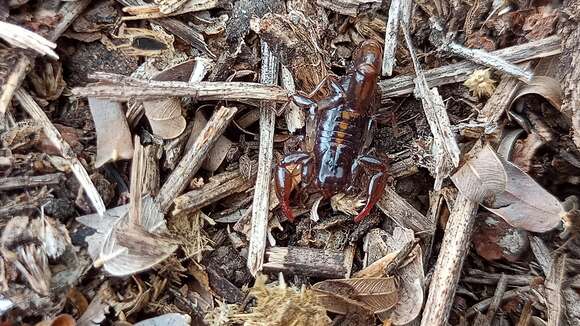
445 149
449 263
218 152
261 203
11 183
194 157
569 67
306 261
399 13
203 91
113 135
218 187
350 7
404 214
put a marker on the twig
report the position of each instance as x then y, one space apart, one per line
399 12
349 7
25 181
444 43
152 11
554 299
194 157
306 261
448 267
219 187
445 148
130 87
485 320
35 111
261 203
484 304
542 253
403 213
459 72
498 103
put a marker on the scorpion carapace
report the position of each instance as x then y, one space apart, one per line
343 122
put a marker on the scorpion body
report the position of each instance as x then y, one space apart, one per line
343 123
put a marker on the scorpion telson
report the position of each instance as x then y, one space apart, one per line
342 125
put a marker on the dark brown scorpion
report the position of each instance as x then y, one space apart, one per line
343 123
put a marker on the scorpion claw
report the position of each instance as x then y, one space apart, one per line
284 179
375 191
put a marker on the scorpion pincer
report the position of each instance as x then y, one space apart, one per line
343 123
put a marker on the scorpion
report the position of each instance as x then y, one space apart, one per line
343 123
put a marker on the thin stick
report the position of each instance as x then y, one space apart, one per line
260 205
25 181
403 213
35 111
449 263
194 157
445 148
484 304
398 12
207 91
554 298
485 320
459 72
444 43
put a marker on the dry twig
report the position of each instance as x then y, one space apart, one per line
261 203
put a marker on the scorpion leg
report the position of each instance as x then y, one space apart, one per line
284 178
378 172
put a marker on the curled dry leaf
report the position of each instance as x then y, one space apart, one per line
165 117
411 276
504 189
217 153
373 295
544 86
113 134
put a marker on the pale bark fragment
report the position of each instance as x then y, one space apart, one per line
113 135
399 12
261 203
128 88
404 214
454 249
194 157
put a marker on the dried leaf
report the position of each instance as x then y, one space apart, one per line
546 87
375 295
113 134
174 319
165 117
507 191
218 152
